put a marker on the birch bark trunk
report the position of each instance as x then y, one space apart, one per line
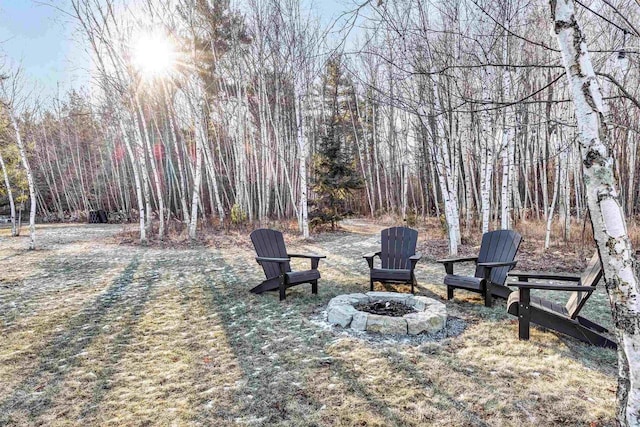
137 180
32 187
508 150
197 177
508 145
609 225
208 161
14 229
486 152
303 149
445 166
182 182
552 208
154 169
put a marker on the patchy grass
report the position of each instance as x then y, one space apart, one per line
99 332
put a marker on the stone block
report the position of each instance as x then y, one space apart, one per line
341 314
350 299
389 296
421 303
425 322
386 324
359 321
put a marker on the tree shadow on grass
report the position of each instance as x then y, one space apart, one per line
418 378
268 400
34 395
263 369
120 344
265 365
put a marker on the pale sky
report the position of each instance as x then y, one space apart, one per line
42 39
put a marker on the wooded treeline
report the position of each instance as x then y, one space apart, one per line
449 108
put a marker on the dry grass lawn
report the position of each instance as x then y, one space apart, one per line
96 332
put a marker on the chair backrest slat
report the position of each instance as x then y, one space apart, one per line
498 246
589 277
398 244
270 244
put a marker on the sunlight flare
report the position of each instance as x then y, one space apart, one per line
153 55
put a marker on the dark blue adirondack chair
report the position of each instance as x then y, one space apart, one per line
564 319
497 252
398 257
275 261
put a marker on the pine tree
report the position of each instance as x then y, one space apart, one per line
334 167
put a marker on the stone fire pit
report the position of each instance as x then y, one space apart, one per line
430 316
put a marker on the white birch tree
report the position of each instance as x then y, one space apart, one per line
32 188
607 218
11 97
5 174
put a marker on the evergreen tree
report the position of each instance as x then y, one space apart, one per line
334 166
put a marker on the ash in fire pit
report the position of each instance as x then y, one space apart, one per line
385 308
388 313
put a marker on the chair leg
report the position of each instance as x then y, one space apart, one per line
589 324
413 282
371 284
449 292
314 287
524 314
488 297
283 289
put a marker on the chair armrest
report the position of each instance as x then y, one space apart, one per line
306 256
414 259
315 259
488 266
543 286
448 262
260 259
497 264
458 259
369 258
523 276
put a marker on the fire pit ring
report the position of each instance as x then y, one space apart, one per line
430 316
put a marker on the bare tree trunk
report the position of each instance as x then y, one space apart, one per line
303 152
486 153
363 158
32 187
197 174
446 168
607 218
632 145
141 160
154 169
136 178
208 162
552 208
508 148
14 229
